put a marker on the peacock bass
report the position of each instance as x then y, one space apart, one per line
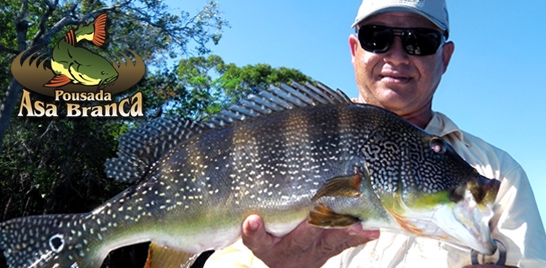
289 154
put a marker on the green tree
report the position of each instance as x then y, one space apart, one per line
202 86
56 165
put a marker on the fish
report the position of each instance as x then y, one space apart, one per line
291 153
75 64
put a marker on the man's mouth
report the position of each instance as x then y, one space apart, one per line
394 78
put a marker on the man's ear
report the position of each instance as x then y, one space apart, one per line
354 45
447 51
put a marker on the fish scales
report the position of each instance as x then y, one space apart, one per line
319 153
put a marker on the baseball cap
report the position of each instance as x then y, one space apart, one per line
433 10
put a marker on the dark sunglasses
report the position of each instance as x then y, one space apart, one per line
416 41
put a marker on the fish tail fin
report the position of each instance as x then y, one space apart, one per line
58 81
94 32
99 36
47 241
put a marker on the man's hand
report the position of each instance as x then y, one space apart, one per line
305 246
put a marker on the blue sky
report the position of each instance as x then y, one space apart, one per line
494 87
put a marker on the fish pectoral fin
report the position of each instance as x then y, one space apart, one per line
344 186
322 215
165 257
58 81
99 36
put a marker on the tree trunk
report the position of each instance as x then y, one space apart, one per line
6 110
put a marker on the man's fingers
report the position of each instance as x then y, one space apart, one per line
302 238
255 236
335 241
306 245
357 236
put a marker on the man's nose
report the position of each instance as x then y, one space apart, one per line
397 54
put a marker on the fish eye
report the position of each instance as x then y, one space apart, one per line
437 145
103 73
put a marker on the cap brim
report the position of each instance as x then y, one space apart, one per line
402 8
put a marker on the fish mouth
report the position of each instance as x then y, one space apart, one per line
469 219
107 82
488 189
473 219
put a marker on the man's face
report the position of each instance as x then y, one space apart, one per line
396 80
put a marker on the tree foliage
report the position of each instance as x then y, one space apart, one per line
201 86
56 165
145 26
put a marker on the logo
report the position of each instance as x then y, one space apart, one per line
79 78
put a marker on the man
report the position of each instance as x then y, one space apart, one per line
399 55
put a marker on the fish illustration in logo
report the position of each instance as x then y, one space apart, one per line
75 64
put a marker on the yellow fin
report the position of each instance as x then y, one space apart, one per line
345 186
166 257
322 215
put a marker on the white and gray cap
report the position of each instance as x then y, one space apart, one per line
433 10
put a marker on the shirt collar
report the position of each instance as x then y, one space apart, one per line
442 126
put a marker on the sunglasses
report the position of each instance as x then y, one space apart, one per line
416 41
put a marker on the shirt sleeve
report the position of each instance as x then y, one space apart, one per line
517 223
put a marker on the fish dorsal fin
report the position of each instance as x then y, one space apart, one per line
140 148
70 37
283 97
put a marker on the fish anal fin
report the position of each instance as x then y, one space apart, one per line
58 81
344 186
166 257
322 215
99 36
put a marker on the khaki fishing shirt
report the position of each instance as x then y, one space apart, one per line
516 222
